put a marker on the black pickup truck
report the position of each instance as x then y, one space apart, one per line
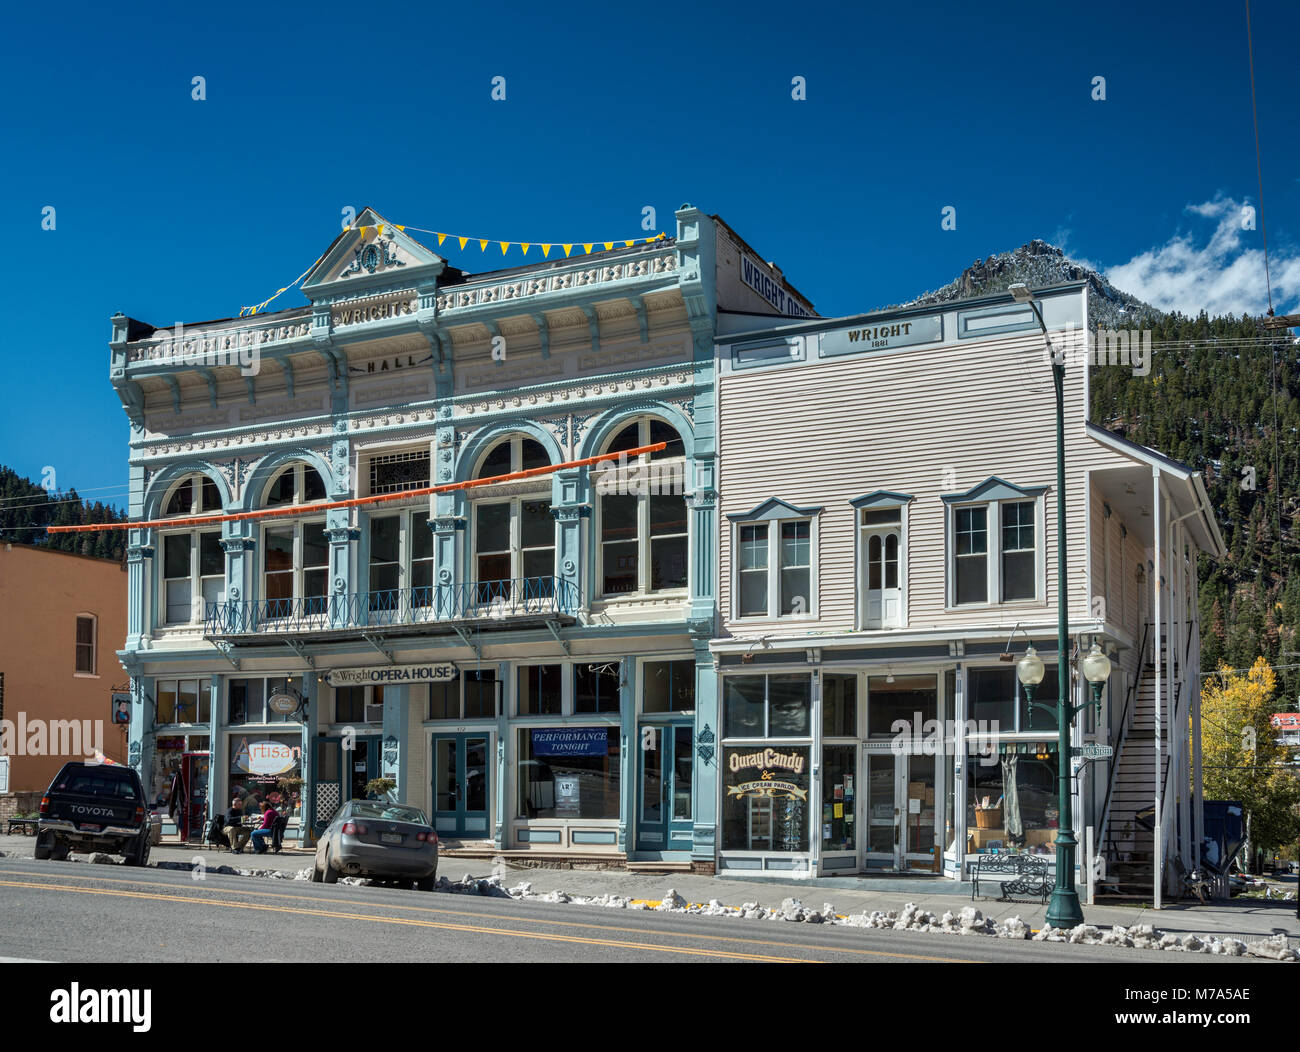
94 807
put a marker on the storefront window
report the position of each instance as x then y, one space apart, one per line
480 694
839 819
998 700
568 772
246 699
765 798
839 706
668 686
184 701
349 704
444 700
595 687
540 690
265 767
168 750
901 699
776 706
1012 802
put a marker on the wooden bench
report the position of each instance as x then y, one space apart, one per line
29 826
1024 875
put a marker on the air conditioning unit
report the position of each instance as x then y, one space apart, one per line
374 714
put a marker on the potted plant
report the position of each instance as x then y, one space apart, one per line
380 787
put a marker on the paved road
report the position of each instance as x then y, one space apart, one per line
55 911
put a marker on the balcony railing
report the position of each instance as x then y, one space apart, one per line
469 600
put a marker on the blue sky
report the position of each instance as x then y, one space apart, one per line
169 208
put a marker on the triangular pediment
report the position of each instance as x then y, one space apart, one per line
372 254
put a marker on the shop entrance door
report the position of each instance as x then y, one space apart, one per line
460 785
901 808
362 765
665 814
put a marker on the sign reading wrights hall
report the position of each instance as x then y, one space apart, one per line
380 674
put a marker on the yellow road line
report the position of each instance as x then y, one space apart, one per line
406 921
513 917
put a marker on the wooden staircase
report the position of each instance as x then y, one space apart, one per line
1130 841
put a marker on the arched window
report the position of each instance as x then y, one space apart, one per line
295 552
514 538
295 484
193 565
643 519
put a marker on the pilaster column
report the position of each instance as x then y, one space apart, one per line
705 745
139 590
344 609
445 528
239 546
703 505
570 504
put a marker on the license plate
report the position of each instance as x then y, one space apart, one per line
90 827
390 838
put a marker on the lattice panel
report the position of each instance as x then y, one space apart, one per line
327 803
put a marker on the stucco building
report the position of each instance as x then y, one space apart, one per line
62 619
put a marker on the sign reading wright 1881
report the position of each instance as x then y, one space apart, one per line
380 674
883 337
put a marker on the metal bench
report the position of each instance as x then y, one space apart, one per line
29 826
1024 875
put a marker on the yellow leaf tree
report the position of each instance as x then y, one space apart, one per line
1241 759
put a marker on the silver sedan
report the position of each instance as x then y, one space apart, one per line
380 840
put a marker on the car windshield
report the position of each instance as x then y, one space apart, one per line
389 812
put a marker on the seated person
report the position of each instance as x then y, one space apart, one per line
266 829
277 835
235 830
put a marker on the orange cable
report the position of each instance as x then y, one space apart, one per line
353 502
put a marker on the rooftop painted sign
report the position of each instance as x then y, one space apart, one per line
756 276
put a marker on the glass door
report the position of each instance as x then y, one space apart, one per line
882 835
839 830
917 792
362 766
665 808
460 785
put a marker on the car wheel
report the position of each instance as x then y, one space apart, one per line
138 855
315 872
59 852
43 846
426 883
331 875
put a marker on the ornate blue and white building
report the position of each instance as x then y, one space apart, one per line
527 660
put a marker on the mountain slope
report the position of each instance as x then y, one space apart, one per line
1039 264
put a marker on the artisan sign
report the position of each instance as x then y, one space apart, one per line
885 336
381 674
266 757
756 276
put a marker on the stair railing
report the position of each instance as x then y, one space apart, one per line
1125 721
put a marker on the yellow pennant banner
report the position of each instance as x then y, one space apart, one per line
463 240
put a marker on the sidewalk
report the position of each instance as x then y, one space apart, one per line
1241 918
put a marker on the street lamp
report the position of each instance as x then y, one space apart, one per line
1064 910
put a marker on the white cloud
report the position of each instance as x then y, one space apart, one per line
1225 275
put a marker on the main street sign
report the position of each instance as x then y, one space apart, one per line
1093 751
